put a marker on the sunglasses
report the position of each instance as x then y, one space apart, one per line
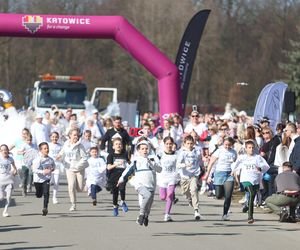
195 115
223 129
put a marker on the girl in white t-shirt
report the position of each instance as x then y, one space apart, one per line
54 149
223 179
252 166
7 171
168 177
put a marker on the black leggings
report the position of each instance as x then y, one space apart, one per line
115 192
43 189
253 189
225 191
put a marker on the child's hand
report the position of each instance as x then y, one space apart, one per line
14 172
47 171
209 180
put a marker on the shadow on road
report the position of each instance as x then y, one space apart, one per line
15 228
193 234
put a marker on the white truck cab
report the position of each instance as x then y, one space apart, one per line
67 92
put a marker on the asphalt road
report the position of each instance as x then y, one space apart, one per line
94 227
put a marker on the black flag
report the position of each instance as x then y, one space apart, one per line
187 51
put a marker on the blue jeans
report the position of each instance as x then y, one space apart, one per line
94 190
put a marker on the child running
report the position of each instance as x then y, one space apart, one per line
168 177
223 178
54 149
42 168
252 166
95 174
116 164
189 164
7 171
75 161
145 168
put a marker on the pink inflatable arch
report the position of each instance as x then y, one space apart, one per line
107 27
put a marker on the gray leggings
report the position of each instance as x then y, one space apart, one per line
7 189
225 191
146 197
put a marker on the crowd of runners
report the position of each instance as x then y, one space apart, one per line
209 155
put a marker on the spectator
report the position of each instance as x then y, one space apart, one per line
288 190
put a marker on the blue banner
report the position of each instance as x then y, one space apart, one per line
270 103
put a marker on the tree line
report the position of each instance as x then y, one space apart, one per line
244 41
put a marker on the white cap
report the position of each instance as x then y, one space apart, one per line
143 142
226 116
242 113
95 111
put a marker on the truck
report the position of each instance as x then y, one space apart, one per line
67 92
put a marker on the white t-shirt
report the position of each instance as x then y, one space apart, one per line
96 172
199 128
169 174
248 166
225 158
5 171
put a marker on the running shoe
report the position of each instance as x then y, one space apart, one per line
197 215
54 200
124 207
245 209
140 219
243 200
116 211
94 202
73 207
225 217
146 221
5 214
284 215
167 218
44 211
250 221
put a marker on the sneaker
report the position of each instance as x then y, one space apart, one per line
291 219
211 195
45 211
24 192
146 221
243 200
245 209
5 214
140 219
73 208
167 218
202 190
175 201
124 207
197 215
29 189
94 202
225 217
116 211
250 221
284 215
54 201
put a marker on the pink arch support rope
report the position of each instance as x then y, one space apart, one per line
105 27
